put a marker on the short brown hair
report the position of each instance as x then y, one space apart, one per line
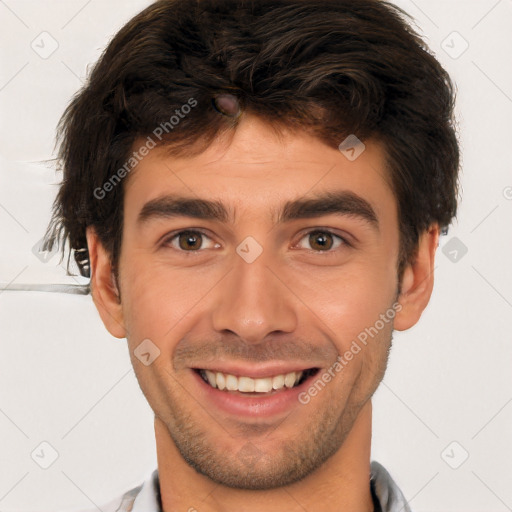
330 67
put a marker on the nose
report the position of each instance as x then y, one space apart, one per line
253 301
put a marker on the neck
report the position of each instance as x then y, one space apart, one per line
341 483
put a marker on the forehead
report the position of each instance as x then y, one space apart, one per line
256 172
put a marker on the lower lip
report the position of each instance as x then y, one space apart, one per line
256 406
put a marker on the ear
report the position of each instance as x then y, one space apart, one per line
417 281
104 290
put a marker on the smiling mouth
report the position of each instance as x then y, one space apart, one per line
260 386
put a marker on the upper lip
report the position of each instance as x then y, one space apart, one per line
260 371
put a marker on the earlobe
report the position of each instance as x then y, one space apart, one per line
104 289
417 281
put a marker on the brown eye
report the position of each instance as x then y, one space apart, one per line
189 240
322 241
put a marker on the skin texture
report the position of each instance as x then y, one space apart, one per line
295 303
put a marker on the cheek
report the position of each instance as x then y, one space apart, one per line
346 301
157 300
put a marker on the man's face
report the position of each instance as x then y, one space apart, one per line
260 293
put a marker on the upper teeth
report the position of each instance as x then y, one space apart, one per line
248 385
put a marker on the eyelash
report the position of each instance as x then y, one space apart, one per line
343 241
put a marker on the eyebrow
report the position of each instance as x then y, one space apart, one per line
342 202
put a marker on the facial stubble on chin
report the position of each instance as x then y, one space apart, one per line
251 467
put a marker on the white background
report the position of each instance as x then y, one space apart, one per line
66 381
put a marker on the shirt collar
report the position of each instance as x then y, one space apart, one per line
386 493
